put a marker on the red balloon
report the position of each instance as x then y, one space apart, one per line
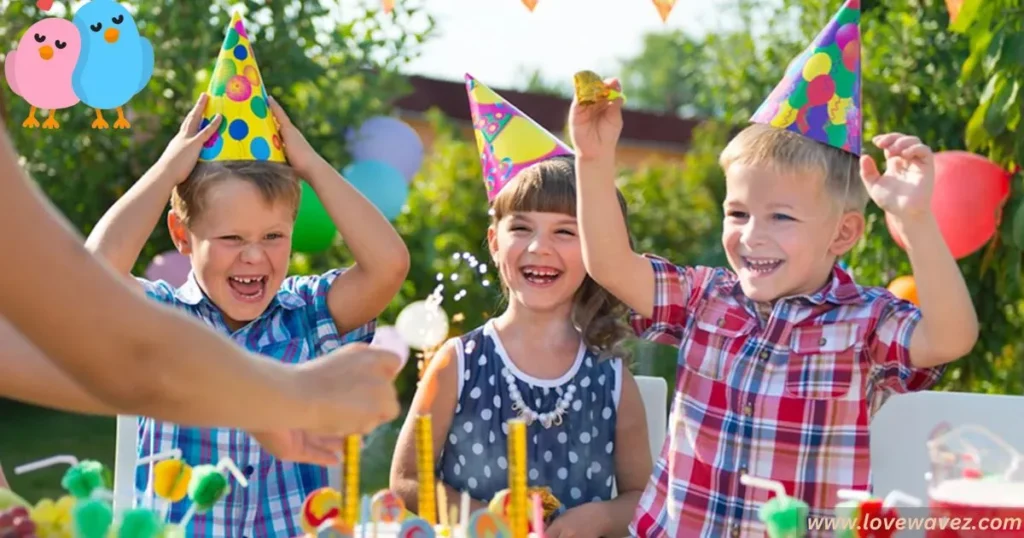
967 200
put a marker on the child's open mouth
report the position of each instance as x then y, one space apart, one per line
762 266
248 288
540 276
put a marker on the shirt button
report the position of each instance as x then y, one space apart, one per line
720 322
748 409
248 472
735 531
822 341
764 354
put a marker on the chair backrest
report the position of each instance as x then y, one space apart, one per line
900 429
654 393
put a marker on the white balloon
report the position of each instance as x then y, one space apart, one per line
389 339
422 325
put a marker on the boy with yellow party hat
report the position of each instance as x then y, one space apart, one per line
233 213
783 358
551 358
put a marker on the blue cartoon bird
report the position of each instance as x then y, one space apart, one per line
115 63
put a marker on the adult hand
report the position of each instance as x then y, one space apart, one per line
350 390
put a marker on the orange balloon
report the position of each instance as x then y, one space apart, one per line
905 288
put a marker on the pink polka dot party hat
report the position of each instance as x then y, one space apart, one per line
248 131
820 95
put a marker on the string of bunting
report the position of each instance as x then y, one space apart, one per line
664 7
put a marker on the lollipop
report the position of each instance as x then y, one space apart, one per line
92 518
321 506
486 523
550 504
208 486
785 516
388 506
861 507
416 527
139 523
590 89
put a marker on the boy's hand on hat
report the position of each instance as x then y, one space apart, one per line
301 156
904 190
182 153
595 128
302 446
350 390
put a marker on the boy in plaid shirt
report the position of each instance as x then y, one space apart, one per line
784 358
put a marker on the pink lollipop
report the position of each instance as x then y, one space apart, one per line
388 339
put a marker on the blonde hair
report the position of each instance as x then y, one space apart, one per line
787 151
550 187
276 182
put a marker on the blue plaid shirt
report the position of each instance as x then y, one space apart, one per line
296 327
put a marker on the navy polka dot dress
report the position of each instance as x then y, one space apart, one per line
574 456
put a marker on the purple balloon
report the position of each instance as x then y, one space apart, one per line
388 140
171 267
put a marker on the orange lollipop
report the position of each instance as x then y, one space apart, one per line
322 505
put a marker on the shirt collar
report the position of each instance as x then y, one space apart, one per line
192 294
839 290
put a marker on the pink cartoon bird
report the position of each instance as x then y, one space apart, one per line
39 70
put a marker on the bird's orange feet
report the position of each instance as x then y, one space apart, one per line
122 122
31 122
99 122
51 121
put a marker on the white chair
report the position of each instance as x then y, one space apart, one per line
900 429
654 393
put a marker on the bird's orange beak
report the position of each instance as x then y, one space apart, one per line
46 52
111 35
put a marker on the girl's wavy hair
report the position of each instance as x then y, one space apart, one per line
550 187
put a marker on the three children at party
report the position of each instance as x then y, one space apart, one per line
783 357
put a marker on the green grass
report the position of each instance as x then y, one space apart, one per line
29 433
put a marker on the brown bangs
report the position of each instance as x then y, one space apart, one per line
546 187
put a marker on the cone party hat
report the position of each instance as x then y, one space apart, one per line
248 131
820 96
508 140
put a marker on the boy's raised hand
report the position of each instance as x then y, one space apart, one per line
905 189
182 153
301 156
595 128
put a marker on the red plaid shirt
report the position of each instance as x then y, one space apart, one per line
786 399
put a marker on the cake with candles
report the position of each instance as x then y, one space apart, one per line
328 513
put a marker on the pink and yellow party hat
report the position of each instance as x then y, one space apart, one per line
248 131
508 140
820 95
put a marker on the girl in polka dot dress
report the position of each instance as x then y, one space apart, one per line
547 359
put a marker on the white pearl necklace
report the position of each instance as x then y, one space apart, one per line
548 419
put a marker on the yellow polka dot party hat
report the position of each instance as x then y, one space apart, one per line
248 131
820 96
508 140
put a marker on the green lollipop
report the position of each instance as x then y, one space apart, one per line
139 523
209 485
85 477
92 518
785 516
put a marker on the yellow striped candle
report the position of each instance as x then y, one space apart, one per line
517 478
425 469
353 444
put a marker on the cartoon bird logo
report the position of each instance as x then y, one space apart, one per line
39 70
116 62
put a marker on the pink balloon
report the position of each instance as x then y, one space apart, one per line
171 267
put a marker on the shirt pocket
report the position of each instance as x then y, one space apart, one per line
823 361
719 334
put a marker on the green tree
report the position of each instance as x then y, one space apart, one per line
331 71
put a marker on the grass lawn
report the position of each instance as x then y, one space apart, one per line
29 433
